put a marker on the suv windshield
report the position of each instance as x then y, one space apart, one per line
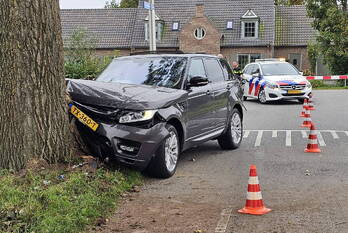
278 69
152 71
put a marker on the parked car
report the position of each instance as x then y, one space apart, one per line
272 79
145 110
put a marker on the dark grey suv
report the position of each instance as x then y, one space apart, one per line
145 110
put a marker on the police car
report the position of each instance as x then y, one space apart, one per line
273 79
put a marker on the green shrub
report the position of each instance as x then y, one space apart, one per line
81 61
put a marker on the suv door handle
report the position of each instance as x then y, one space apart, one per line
208 92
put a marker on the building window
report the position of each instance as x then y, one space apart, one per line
249 29
250 25
199 33
175 26
159 30
229 25
244 59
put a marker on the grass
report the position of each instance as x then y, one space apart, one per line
60 201
320 85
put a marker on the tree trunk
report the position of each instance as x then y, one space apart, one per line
33 114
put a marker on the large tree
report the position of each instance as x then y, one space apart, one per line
33 116
331 21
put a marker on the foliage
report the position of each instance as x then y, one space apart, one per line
80 58
321 84
313 54
123 4
46 201
331 21
111 4
289 2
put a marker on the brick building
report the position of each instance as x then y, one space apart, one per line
240 30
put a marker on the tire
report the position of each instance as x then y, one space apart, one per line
301 101
231 139
262 96
163 165
245 98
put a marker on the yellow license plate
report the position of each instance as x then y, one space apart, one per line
294 92
84 118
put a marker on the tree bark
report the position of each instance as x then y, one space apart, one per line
33 114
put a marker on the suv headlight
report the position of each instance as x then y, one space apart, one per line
272 85
136 116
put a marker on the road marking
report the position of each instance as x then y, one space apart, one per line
274 133
224 219
246 133
321 139
288 138
334 134
304 134
258 138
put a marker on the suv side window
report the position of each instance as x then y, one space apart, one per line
214 70
196 68
227 70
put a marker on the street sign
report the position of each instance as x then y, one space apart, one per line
148 6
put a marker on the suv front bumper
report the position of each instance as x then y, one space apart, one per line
128 145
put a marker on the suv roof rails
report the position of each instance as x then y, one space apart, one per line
270 59
157 52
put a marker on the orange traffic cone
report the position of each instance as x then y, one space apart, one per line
305 106
254 203
312 146
310 103
307 121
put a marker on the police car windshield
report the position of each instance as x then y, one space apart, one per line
153 71
278 69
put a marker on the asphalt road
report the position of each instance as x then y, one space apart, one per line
306 192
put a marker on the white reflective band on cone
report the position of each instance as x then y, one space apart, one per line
313 132
312 141
253 196
253 180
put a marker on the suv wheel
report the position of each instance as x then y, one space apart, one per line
262 96
232 138
164 164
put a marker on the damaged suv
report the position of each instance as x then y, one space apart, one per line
145 110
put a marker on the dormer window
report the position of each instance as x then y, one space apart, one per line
159 28
250 25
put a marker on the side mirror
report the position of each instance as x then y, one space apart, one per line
256 75
198 81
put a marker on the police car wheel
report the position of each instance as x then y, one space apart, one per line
262 96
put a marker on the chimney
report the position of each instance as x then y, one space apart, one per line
200 10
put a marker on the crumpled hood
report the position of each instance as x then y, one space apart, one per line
123 96
286 79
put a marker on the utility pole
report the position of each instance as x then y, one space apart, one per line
152 26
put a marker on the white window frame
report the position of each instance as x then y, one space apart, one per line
229 23
177 23
256 29
249 57
200 31
250 17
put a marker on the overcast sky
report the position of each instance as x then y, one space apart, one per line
81 4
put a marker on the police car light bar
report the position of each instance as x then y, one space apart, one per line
270 59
